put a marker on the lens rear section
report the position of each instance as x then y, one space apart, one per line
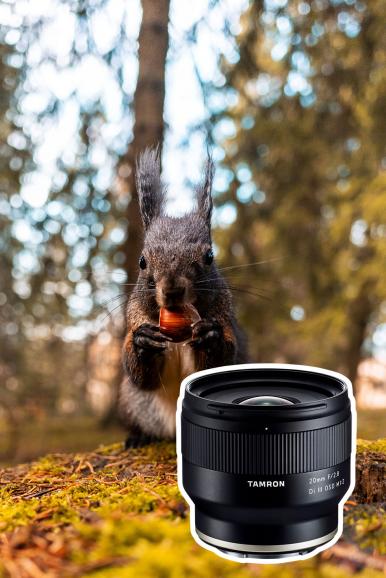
266 458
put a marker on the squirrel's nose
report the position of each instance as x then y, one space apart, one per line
176 292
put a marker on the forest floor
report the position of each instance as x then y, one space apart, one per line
118 513
52 434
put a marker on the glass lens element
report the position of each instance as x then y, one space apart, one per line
266 400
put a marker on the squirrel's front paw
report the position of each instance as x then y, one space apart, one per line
206 333
148 340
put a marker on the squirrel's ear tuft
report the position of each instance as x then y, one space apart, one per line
204 192
150 190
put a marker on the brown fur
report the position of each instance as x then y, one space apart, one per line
177 271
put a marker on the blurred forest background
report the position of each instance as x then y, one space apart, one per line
289 95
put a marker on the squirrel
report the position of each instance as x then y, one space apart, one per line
176 268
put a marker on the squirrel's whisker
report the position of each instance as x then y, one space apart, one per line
256 293
135 296
128 284
109 314
250 264
240 290
247 287
233 274
124 296
108 301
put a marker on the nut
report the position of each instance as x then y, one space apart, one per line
176 323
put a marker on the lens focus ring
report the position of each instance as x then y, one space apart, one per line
268 453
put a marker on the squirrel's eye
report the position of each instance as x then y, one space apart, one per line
142 262
208 257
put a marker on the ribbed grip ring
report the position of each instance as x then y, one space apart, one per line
266 454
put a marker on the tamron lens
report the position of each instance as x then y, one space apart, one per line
266 458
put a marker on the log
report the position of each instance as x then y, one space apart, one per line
370 484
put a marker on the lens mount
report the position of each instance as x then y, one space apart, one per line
265 457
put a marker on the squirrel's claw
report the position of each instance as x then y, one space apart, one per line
204 333
145 341
148 339
152 331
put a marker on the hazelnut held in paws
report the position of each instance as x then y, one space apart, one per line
177 323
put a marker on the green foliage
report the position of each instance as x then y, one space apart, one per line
57 255
305 172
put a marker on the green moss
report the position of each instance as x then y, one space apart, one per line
366 524
51 464
116 507
111 449
333 571
156 548
63 506
66 494
15 513
162 451
378 446
57 508
139 496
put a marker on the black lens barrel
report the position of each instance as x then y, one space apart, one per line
265 480
270 453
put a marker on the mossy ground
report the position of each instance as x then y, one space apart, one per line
118 514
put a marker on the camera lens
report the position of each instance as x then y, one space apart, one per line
266 400
265 457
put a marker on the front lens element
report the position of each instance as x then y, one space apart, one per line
266 400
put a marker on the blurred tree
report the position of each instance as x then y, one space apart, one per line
13 159
64 214
61 221
148 109
304 166
148 131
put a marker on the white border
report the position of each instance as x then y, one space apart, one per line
256 560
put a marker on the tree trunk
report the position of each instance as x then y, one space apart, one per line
359 313
148 130
148 114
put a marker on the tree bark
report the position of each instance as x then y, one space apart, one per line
148 130
370 476
148 111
